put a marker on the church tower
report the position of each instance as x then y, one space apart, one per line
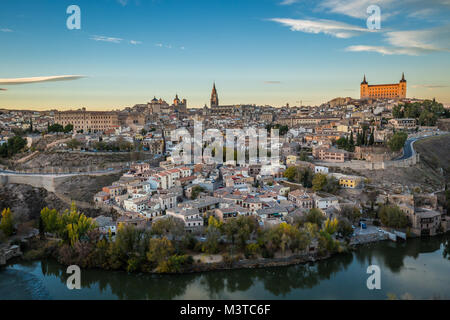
402 88
364 89
214 97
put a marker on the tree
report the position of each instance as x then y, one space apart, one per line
73 144
397 111
6 223
247 225
71 225
196 190
159 250
371 139
299 175
331 226
352 213
68 128
397 141
211 245
393 217
55 128
344 227
41 228
290 173
351 143
304 156
13 146
168 226
319 181
315 216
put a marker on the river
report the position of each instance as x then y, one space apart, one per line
416 268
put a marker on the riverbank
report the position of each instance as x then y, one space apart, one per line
48 249
416 269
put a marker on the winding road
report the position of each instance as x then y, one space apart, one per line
408 149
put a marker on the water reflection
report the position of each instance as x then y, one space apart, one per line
274 282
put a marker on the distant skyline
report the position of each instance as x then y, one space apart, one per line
258 52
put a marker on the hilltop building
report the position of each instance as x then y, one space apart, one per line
88 120
383 91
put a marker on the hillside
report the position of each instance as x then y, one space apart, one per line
435 154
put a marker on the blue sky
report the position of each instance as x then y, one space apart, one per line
257 51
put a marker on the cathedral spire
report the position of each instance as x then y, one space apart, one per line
403 77
214 96
364 81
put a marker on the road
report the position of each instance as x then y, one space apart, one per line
408 149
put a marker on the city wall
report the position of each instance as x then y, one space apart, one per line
369 165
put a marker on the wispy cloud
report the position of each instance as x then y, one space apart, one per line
353 8
411 8
384 50
288 2
411 42
330 27
123 2
106 39
5 30
430 86
18 81
436 39
272 82
134 42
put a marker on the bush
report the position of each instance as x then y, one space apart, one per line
252 250
393 217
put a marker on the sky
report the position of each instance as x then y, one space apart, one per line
264 52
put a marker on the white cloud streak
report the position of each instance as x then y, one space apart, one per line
411 42
353 8
18 81
330 27
106 39
288 2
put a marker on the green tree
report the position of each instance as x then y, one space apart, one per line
56 127
6 223
371 139
73 144
331 226
344 227
352 213
68 128
315 216
319 181
211 245
397 141
196 190
290 173
351 144
159 250
168 226
13 146
393 217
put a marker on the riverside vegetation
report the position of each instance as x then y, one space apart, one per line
72 238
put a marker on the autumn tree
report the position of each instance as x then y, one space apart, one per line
6 223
